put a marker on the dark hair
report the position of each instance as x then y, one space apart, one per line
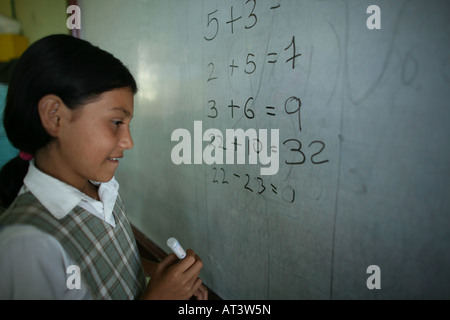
68 67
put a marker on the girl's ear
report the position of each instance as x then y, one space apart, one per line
50 111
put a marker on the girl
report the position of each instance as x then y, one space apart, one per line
64 233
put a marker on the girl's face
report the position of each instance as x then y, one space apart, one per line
92 143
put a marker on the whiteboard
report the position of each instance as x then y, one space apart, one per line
364 156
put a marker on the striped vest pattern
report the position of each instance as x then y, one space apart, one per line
108 257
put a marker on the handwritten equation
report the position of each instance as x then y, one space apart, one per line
220 25
247 22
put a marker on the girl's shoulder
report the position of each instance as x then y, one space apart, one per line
24 208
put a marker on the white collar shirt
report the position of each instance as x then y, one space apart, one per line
33 263
60 198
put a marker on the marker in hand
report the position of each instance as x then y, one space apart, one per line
175 246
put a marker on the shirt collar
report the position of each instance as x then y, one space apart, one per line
60 198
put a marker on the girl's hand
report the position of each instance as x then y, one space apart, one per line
175 279
202 293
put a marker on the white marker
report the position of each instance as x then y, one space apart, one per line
175 246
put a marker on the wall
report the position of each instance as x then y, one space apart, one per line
38 17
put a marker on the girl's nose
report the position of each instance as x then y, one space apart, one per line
126 142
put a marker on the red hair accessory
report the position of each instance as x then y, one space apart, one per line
25 156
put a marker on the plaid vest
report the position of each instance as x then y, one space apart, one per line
108 258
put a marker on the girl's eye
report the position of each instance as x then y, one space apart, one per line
117 122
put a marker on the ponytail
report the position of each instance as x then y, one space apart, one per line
11 180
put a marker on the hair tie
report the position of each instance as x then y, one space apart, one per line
26 156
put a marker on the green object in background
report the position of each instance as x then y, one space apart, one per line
7 151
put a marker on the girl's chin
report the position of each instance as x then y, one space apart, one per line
105 177
106 171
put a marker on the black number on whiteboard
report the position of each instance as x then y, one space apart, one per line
216 22
303 157
252 15
251 63
216 113
293 105
220 145
211 77
249 112
263 188
298 150
224 181
215 175
248 181
317 153
288 194
295 55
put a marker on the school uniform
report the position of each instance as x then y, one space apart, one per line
51 227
